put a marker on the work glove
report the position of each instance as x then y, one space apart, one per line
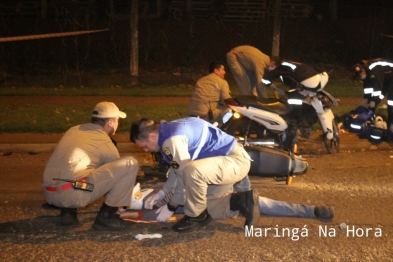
163 214
154 199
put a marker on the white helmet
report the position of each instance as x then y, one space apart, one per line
138 195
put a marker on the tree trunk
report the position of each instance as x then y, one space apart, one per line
188 8
276 29
333 10
44 9
134 38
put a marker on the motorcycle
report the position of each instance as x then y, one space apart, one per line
275 162
277 121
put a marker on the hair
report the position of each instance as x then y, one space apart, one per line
357 69
140 129
99 121
215 65
364 63
276 60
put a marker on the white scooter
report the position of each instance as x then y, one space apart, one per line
271 121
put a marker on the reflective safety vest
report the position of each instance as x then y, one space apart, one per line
204 139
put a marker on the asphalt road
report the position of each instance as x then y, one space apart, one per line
357 183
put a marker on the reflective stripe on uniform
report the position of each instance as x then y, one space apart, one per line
376 93
355 126
368 90
266 82
381 63
205 132
289 64
295 101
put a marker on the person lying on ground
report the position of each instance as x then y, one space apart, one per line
268 207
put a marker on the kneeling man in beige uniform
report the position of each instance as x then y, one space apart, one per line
86 154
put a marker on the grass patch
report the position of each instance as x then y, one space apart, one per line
58 119
335 87
97 91
344 88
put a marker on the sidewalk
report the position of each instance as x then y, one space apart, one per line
45 143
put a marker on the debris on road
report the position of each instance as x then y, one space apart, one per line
143 236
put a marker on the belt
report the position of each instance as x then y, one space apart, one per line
63 187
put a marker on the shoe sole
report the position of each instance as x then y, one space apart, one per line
255 212
205 223
327 218
331 212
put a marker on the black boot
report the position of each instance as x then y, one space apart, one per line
247 203
108 219
324 212
68 217
188 224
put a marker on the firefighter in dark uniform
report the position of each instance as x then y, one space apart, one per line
303 79
377 76
294 74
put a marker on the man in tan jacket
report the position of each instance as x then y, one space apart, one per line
207 100
248 65
87 154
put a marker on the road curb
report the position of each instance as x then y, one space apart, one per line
128 147
305 147
49 147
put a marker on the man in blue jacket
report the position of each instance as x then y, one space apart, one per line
205 164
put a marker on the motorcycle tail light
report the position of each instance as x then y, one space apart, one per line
236 115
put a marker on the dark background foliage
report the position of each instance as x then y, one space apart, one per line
170 38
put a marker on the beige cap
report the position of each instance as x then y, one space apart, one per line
107 110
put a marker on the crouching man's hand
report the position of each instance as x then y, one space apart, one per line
154 199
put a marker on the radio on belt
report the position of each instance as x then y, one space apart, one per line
78 184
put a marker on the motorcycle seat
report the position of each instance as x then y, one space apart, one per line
268 104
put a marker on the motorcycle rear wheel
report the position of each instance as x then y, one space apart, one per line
333 145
